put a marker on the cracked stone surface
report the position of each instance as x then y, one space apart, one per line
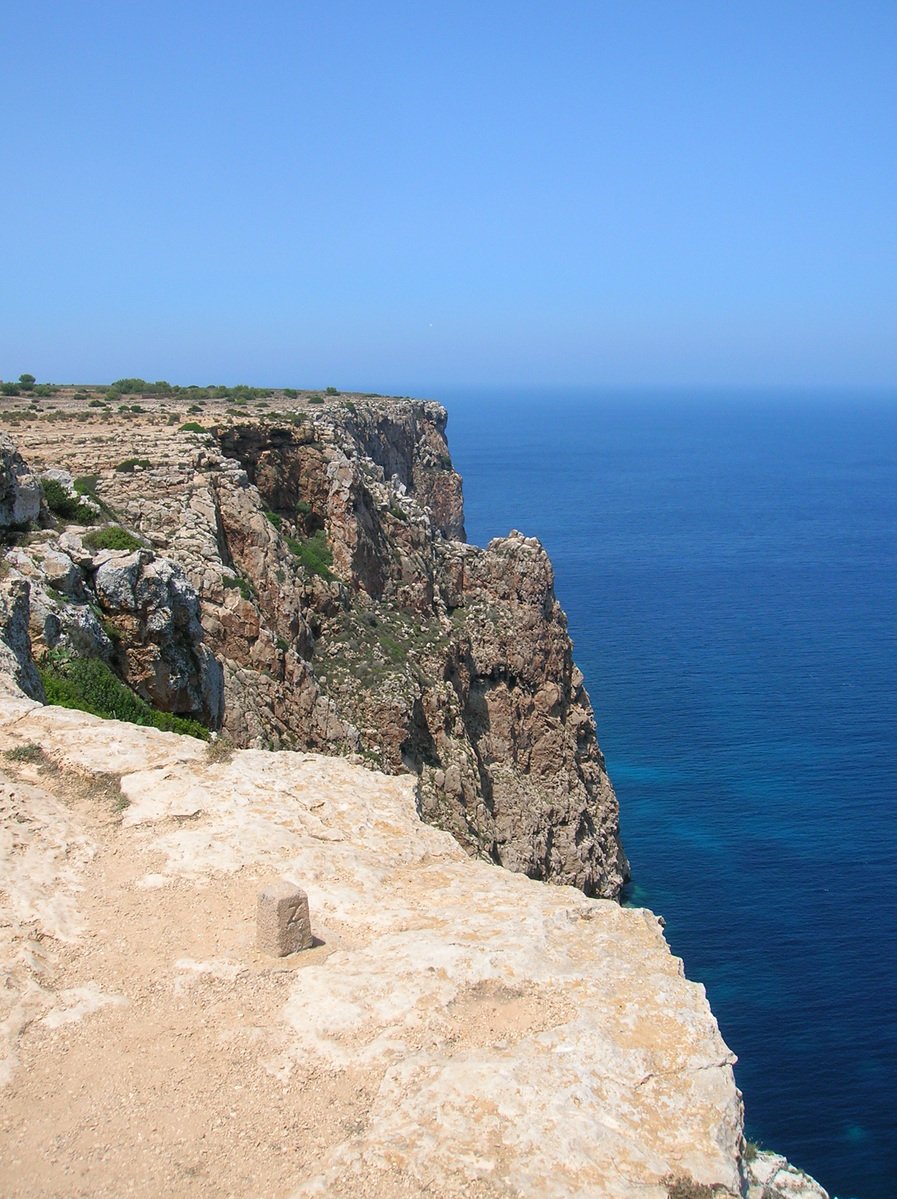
460 1029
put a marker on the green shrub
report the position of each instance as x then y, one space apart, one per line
275 519
245 589
129 386
131 464
112 537
303 508
192 427
88 685
9 389
95 403
331 391
65 505
316 399
314 554
86 485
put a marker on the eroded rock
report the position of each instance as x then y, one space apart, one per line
307 587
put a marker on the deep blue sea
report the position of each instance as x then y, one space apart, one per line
728 564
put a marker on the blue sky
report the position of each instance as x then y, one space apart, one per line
408 196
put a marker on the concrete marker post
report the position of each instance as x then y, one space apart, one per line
283 923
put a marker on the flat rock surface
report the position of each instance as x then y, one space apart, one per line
457 1030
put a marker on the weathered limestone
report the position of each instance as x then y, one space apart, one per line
771 1176
18 673
20 493
466 1032
411 650
283 924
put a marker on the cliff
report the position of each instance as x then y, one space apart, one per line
300 581
457 1030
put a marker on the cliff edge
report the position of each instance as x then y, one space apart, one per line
300 580
456 1030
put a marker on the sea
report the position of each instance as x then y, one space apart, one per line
728 564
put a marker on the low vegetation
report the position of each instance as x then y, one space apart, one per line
112 537
30 753
129 465
314 553
89 685
65 505
238 584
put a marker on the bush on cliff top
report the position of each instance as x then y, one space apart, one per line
62 503
113 537
88 685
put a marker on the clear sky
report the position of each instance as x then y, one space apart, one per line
398 196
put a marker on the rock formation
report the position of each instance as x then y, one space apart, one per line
457 1030
301 581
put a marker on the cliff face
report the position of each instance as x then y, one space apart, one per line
456 1029
304 583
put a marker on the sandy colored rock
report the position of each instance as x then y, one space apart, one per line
460 1030
410 651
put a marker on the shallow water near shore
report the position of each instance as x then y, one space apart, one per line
728 564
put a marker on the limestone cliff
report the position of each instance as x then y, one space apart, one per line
302 582
457 1030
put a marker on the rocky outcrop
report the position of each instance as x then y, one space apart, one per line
18 674
153 617
458 1030
20 494
134 610
346 614
771 1176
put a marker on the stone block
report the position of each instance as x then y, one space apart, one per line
283 922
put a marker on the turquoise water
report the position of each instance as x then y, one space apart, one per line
729 569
